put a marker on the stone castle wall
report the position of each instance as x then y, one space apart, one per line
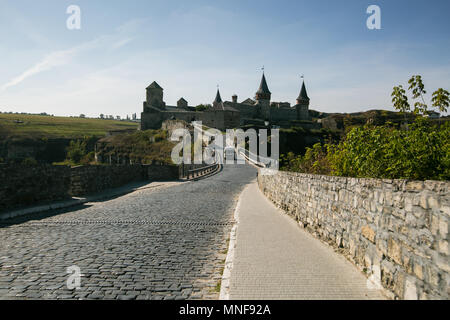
27 185
397 231
212 118
92 179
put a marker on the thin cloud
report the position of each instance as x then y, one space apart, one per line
63 57
52 60
121 43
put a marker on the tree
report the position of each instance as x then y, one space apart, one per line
202 107
440 98
400 100
102 116
418 91
76 151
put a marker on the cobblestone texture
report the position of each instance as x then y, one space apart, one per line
151 244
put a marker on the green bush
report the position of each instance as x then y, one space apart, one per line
29 162
76 151
419 153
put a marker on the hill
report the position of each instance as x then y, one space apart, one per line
137 147
49 127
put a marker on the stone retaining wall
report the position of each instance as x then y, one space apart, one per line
25 185
396 231
162 172
92 179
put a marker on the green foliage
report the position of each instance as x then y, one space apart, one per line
76 151
161 136
440 98
37 126
139 147
418 90
202 107
419 153
81 151
314 161
400 100
29 162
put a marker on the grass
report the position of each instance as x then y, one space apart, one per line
218 286
37 126
140 146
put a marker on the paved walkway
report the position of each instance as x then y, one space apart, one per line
154 243
275 259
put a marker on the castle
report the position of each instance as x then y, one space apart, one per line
226 114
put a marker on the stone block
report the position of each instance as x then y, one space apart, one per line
414 186
418 270
433 201
399 284
395 250
410 289
431 275
424 201
369 233
443 227
443 247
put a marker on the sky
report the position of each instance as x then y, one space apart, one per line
191 47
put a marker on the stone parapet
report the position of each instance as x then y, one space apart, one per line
396 231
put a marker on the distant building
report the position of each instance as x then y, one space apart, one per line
433 115
225 114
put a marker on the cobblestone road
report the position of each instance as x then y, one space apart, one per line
168 243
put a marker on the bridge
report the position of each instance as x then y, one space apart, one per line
204 239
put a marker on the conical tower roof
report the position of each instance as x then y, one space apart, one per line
154 85
218 99
263 88
303 95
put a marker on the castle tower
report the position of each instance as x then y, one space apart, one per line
262 98
303 98
263 94
303 104
182 103
155 96
218 103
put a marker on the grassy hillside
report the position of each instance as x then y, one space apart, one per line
36 126
139 147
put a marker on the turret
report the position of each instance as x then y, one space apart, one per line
217 103
303 98
302 104
155 96
263 93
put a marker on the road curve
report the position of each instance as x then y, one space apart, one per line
150 244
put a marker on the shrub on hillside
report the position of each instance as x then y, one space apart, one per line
421 152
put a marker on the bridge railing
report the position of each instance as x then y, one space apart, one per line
200 171
259 161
